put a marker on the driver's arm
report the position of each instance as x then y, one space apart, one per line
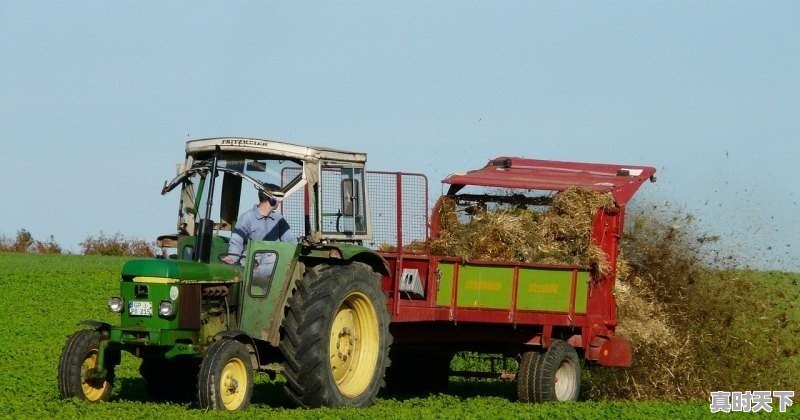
238 240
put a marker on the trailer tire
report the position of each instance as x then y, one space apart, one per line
335 337
557 375
78 359
526 389
225 380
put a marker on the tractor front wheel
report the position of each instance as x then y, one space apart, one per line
225 381
336 337
78 365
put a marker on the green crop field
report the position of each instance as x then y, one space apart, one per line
45 296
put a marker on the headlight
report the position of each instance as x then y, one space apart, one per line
165 308
115 304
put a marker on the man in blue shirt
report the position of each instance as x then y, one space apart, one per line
261 223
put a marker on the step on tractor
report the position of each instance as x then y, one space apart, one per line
353 300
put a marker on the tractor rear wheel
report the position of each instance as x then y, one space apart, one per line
78 364
335 337
554 375
225 381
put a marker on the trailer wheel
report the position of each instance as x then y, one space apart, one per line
225 381
335 337
525 376
554 375
78 362
173 380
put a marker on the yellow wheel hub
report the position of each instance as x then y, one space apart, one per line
354 344
93 388
233 384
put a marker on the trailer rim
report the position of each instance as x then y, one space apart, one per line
565 382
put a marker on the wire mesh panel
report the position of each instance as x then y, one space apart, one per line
344 209
293 207
383 205
415 208
413 203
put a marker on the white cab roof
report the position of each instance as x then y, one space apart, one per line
272 148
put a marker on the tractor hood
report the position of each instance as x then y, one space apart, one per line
180 270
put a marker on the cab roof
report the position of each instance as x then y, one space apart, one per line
271 148
549 175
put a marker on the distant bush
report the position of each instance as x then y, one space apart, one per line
117 245
24 242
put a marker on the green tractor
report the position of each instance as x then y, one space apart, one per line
312 309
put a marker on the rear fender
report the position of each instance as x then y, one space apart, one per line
338 253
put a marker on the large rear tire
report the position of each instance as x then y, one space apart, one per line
335 337
78 362
225 381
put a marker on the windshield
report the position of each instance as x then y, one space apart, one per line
235 191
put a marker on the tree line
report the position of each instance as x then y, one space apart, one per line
101 244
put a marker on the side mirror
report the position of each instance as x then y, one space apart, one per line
350 198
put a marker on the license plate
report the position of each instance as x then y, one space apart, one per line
140 308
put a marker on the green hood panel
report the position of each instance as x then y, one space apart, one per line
179 269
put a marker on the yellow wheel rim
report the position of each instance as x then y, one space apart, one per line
93 388
354 345
233 384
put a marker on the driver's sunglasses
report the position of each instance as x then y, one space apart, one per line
273 202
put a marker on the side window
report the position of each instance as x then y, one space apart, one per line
188 253
263 268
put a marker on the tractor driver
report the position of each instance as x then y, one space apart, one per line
260 223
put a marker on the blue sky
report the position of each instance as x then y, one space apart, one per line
98 97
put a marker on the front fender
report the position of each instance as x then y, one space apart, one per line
97 325
243 338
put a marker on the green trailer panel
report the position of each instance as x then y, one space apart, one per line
539 289
445 292
581 292
549 290
485 286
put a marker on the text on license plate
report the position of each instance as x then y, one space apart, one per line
140 308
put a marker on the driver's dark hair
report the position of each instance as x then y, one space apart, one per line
270 187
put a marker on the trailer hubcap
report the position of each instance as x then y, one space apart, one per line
92 388
565 382
354 344
234 376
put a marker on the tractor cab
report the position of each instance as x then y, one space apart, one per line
320 192
197 316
